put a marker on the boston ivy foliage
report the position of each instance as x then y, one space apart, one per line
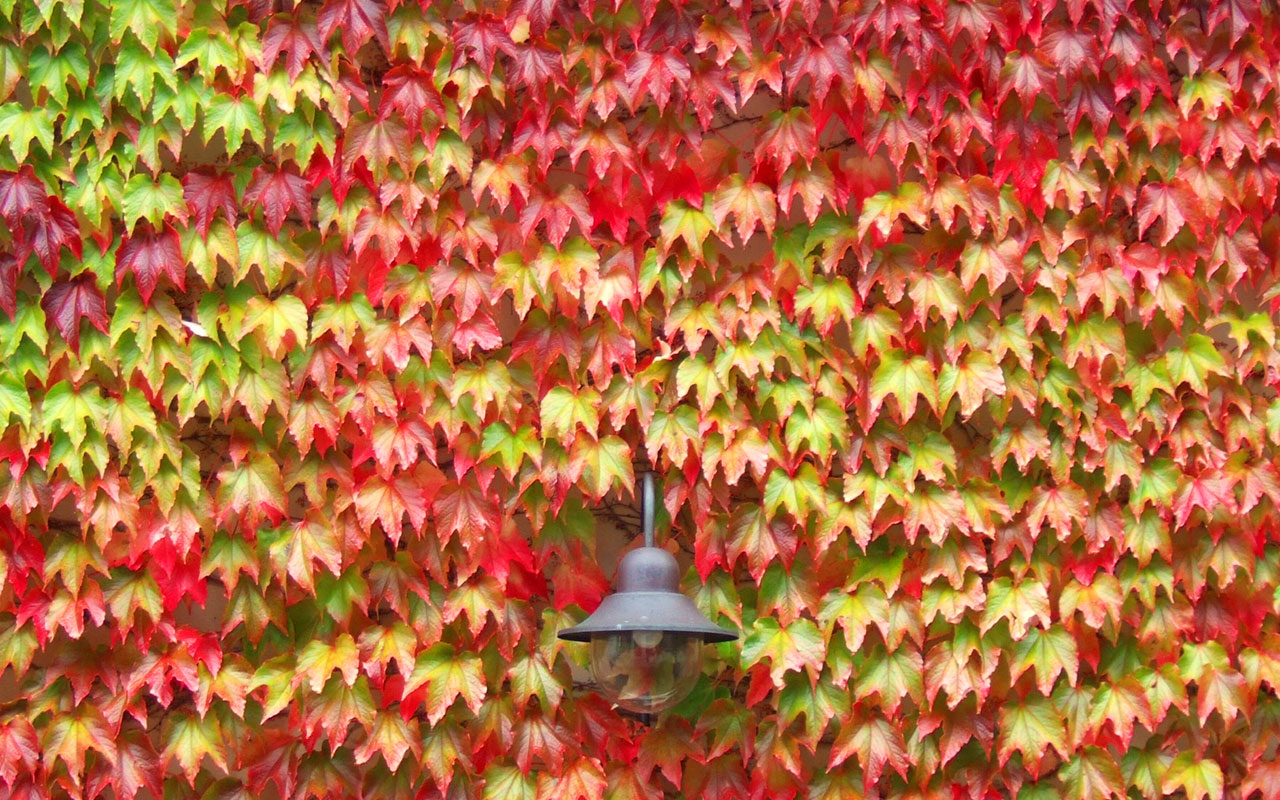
330 329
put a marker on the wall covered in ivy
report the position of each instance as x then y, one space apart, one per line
333 331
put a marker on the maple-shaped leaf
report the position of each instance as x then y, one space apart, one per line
752 205
1263 778
1051 652
602 463
387 500
149 253
21 125
278 192
359 21
581 780
1199 778
1018 604
558 210
47 232
253 487
294 34
379 142
448 675
299 545
21 193
786 135
905 378
70 736
411 91
1172 205
1092 773
70 301
878 744
658 74
463 508
509 783
151 200
382 645
19 748
134 769
791 648
236 117
393 737
320 659
761 540
532 677
1030 728
446 752
538 738
206 195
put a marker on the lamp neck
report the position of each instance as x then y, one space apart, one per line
648 507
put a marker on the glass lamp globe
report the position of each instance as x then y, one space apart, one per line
646 638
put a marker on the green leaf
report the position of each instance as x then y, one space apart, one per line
798 494
511 448
1029 728
56 72
906 379
797 646
1018 604
1199 778
1195 363
1092 774
320 659
682 221
71 735
604 464
1051 652
75 411
282 322
509 783
448 675
236 117
826 427
531 677
15 401
145 19
152 200
190 738
19 127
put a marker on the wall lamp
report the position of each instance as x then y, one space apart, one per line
646 638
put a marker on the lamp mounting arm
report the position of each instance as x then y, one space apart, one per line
647 506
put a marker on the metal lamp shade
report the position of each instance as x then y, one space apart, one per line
648 598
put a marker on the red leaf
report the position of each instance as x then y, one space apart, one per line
10 271
206 195
657 73
752 534
358 19
48 232
411 91
68 302
148 253
823 61
1171 204
329 260
787 134
558 210
289 33
21 193
484 39
464 509
277 193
